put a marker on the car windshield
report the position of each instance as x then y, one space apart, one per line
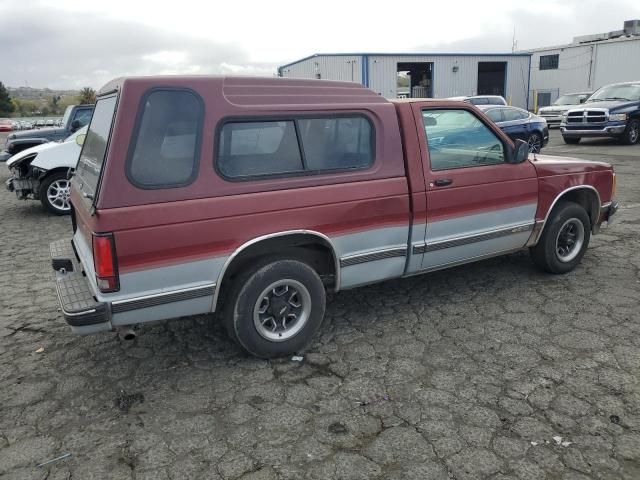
569 99
628 92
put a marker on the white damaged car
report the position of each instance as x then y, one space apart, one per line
42 172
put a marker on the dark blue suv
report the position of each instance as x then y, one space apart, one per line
612 111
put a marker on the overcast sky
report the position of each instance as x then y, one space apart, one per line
74 43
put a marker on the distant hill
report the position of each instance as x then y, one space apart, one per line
28 93
45 102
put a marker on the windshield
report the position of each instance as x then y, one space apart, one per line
95 144
629 92
569 99
67 114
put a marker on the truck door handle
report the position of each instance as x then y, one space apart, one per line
443 182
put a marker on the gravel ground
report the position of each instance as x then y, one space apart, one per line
492 370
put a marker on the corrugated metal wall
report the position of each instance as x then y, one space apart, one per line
586 67
382 72
572 74
446 82
616 62
329 67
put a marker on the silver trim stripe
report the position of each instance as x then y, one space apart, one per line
466 240
121 306
373 256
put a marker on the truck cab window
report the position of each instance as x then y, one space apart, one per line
458 139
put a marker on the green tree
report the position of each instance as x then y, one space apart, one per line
54 106
6 105
87 95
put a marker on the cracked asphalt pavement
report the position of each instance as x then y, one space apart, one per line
492 370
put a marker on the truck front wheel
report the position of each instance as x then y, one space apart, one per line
276 307
631 133
54 193
564 240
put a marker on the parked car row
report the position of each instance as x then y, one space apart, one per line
11 124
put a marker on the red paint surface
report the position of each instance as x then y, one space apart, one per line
213 217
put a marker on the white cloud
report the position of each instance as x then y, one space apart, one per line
73 43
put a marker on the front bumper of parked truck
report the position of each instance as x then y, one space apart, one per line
609 129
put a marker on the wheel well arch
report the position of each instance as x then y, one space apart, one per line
309 246
56 170
585 196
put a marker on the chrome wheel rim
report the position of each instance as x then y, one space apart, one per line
634 133
569 240
58 194
282 310
534 143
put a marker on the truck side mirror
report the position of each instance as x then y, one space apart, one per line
75 125
521 152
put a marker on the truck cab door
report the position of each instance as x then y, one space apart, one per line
478 205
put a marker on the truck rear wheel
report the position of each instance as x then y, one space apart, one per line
276 308
571 140
54 193
564 240
631 133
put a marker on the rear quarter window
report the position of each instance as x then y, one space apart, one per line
165 146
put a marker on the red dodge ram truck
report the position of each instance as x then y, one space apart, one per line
253 197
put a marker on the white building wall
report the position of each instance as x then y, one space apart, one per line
329 67
586 67
446 82
382 72
616 62
572 74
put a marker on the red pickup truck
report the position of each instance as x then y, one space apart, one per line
253 197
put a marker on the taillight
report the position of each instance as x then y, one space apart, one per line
105 263
614 186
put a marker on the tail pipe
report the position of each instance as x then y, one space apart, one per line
126 333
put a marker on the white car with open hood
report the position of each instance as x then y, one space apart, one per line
41 172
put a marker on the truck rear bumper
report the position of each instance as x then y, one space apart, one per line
84 314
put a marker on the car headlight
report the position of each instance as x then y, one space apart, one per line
618 117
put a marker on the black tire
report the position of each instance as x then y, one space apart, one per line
248 290
571 140
535 142
57 207
631 134
546 253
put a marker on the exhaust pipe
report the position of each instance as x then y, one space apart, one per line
126 333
